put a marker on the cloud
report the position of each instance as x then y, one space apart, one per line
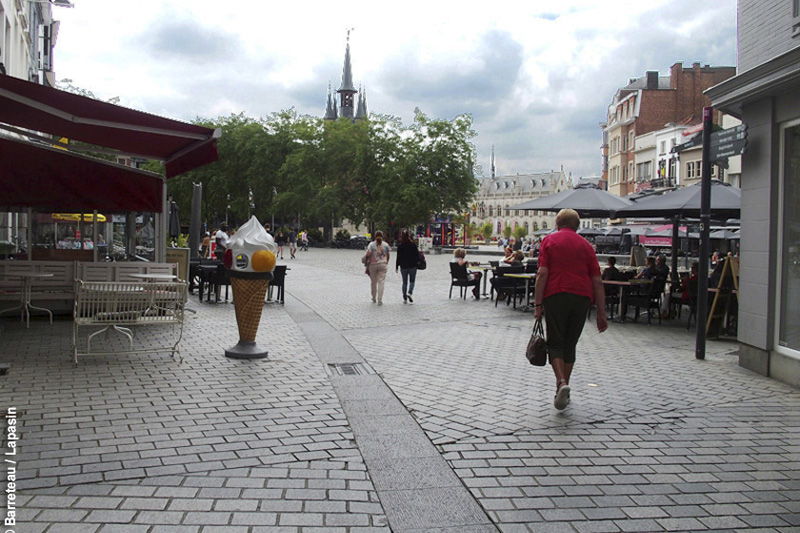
473 83
188 40
537 81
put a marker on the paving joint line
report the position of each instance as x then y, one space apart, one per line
416 486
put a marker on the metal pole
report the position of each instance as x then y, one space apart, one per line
675 237
705 223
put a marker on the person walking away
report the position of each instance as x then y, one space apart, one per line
567 280
407 259
304 240
292 243
280 240
377 261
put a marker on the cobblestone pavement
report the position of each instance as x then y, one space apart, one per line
653 440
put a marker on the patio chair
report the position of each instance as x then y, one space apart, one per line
647 297
459 277
278 278
510 288
612 299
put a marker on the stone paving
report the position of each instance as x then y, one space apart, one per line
653 440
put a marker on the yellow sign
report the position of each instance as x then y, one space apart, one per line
61 143
75 217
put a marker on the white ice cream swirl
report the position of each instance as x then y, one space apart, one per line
249 239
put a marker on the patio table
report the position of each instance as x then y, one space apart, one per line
527 276
623 286
485 269
25 296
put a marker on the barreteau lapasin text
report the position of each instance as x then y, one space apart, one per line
10 457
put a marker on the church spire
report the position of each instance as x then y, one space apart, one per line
347 90
330 110
361 110
492 162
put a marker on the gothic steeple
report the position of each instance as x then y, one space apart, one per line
346 92
330 110
361 110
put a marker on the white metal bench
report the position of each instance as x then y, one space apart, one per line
123 306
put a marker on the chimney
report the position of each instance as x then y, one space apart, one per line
652 79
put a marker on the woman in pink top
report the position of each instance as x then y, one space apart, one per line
567 280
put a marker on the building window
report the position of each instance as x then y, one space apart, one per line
631 144
663 149
690 170
789 244
630 172
644 171
491 211
672 168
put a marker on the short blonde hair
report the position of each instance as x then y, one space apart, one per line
568 218
460 252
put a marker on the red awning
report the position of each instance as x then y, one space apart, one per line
57 180
180 145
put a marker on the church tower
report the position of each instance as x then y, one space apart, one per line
347 107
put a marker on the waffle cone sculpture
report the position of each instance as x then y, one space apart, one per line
250 260
248 300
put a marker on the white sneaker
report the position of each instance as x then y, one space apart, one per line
562 397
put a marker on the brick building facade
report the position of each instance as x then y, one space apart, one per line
648 104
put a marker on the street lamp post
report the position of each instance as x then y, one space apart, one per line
274 195
227 208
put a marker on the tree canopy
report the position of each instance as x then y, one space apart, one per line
304 170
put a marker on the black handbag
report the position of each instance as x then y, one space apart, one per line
421 263
537 345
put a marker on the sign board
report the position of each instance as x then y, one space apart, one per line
722 151
737 133
695 141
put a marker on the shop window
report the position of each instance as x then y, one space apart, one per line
789 246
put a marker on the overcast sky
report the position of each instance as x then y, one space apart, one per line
536 76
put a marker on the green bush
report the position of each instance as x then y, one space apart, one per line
342 238
315 236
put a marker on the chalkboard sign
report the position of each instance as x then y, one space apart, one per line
726 301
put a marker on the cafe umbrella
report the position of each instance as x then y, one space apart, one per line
726 202
587 199
174 221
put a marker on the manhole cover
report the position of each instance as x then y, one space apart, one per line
348 369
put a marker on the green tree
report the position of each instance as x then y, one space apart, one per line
486 231
520 232
507 231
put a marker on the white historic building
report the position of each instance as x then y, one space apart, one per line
27 37
497 195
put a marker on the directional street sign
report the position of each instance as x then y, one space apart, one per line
736 133
727 143
721 151
695 141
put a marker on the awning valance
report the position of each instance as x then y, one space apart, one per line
48 178
182 146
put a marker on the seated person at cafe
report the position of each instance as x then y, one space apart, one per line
515 259
459 256
713 279
611 272
650 271
661 266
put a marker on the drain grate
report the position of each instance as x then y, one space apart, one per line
348 369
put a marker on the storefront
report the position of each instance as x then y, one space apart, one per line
767 98
44 172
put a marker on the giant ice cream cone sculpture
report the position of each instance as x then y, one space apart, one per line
250 259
